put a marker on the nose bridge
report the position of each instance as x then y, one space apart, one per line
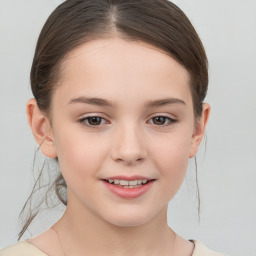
129 144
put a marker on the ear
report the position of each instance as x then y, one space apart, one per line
41 129
199 130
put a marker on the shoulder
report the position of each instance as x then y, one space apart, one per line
22 248
201 250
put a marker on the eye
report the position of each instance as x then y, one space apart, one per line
93 121
162 120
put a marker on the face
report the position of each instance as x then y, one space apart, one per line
122 114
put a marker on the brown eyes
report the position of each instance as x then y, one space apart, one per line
94 121
162 120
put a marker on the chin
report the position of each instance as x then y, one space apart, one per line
128 222
129 218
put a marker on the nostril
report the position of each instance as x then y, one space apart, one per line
129 160
128 155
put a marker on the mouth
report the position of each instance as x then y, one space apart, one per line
128 183
128 187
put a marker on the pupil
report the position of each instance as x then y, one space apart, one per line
160 120
94 120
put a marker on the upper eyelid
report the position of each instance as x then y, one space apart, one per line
102 115
172 120
167 117
163 115
106 116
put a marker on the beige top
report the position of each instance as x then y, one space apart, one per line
25 248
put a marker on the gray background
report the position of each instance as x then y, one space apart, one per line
227 170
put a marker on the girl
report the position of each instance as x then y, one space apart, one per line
118 102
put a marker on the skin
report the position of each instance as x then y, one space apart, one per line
127 140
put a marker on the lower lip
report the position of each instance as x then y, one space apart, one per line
129 193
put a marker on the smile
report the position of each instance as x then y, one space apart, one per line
127 183
128 188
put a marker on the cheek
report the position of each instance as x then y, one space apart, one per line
79 154
171 159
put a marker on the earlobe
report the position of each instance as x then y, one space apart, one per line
41 129
199 130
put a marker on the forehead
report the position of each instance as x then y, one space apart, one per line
123 68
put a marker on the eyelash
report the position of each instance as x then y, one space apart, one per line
85 121
166 118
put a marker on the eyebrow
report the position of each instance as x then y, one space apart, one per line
163 102
106 103
92 101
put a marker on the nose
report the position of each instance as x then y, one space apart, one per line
128 146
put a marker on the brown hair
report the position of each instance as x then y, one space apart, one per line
74 22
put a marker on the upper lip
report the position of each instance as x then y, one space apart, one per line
122 177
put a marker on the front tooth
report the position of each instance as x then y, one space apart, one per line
124 182
110 181
139 182
133 182
144 181
117 182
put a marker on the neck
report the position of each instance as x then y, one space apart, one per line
83 233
